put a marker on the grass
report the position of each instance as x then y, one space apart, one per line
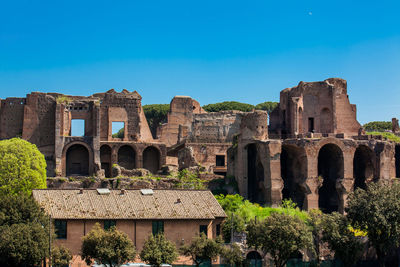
389 136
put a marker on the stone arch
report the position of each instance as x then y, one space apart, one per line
151 159
363 166
77 158
105 159
126 157
326 121
294 173
330 171
397 160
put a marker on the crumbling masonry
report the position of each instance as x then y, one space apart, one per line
313 151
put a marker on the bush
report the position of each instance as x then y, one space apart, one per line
379 126
228 105
22 167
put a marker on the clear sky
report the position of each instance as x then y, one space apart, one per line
211 50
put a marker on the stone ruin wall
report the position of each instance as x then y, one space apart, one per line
266 167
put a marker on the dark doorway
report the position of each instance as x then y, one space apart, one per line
151 159
397 160
77 159
105 159
330 170
363 166
310 125
126 157
251 172
294 173
254 259
220 160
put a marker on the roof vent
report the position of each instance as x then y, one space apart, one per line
103 191
122 191
147 192
80 190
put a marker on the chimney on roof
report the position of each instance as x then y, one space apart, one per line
80 190
122 191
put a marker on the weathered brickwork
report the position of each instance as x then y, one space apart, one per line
45 120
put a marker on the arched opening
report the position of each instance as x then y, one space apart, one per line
363 166
397 160
294 173
105 159
126 157
330 170
326 121
254 259
77 159
151 159
252 184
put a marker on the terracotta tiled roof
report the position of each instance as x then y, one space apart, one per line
130 204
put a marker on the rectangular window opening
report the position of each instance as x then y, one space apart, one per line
77 128
60 227
109 223
118 129
203 229
310 125
158 227
218 229
220 160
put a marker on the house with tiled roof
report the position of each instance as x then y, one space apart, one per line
179 214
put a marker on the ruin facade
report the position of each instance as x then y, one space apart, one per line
45 119
312 150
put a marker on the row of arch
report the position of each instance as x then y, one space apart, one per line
294 172
78 159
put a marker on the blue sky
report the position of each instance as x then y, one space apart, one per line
211 50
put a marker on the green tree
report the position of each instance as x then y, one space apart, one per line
119 134
202 249
233 255
267 106
233 223
158 250
377 212
341 238
156 114
60 256
281 235
22 167
228 105
315 221
24 231
379 126
110 247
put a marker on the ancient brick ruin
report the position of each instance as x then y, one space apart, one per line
313 150
45 120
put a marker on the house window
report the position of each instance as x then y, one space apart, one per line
218 229
158 227
220 160
60 227
203 229
109 223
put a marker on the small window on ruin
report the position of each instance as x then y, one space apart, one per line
311 125
118 129
77 127
220 160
